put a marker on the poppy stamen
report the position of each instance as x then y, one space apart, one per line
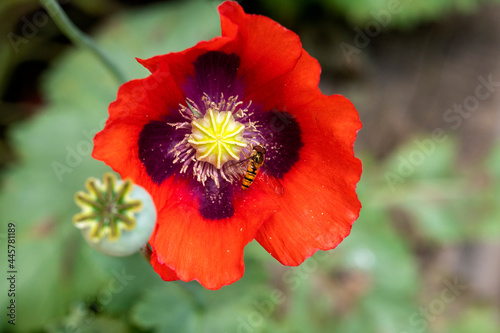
215 135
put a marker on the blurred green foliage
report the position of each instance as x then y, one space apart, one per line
18 47
398 14
370 283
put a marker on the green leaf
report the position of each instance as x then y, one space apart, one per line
166 309
422 158
373 246
56 267
398 13
477 319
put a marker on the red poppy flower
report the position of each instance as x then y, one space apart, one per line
185 131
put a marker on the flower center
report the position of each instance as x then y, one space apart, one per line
216 133
217 137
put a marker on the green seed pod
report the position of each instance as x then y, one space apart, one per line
117 217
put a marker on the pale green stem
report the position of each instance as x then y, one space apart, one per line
79 38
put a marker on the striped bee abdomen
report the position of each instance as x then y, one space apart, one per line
254 163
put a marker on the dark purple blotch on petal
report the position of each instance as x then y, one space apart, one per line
156 139
282 140
215 73
215 202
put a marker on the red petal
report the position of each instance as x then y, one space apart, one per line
165 272
267 49
320 203
181 63
205 250
296 88
138 103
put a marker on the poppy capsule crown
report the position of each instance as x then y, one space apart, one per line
202 110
